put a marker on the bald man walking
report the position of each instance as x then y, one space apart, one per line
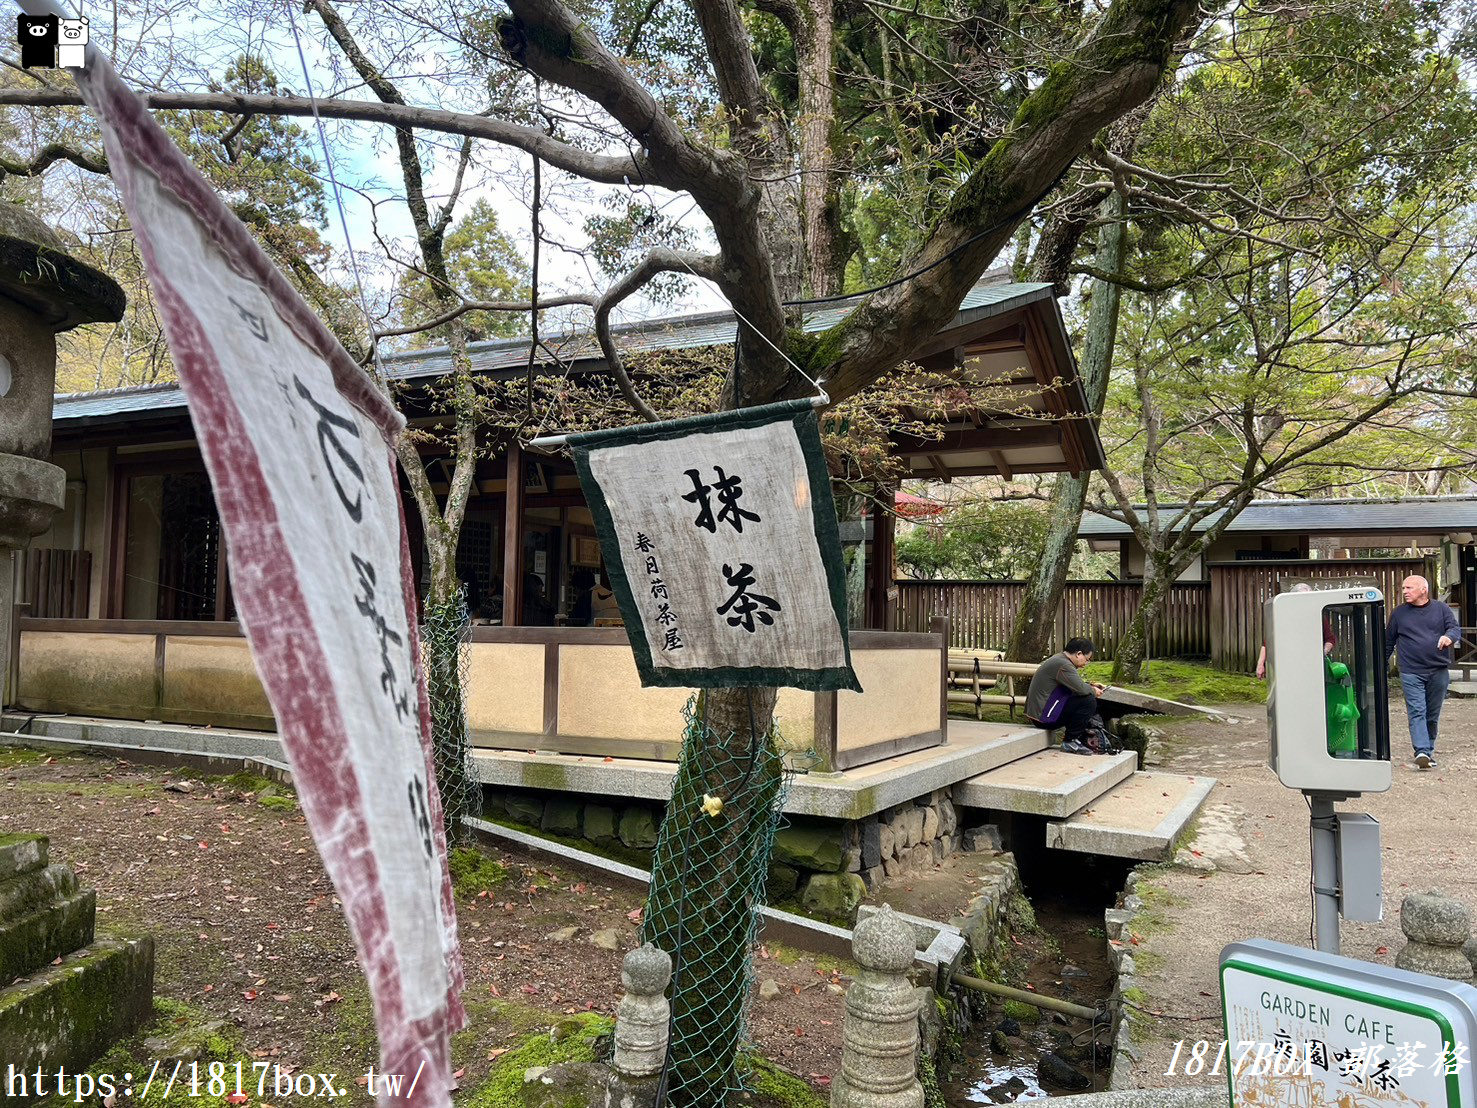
1424 633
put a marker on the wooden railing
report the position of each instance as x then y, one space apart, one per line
590 701
571 690
981 614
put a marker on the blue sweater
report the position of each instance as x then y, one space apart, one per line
1415 631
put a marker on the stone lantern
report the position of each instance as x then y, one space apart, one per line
43 291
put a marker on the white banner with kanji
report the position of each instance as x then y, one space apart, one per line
719 535
297 441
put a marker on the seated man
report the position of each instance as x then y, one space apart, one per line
1062 671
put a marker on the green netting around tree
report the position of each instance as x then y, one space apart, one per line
707 887
444 634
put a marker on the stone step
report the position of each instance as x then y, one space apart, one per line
1048 783
1462 690
21 854
1138 818
30 942
30 892
68 1015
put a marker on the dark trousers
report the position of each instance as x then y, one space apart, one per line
1079 710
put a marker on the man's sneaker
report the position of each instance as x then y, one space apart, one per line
1424 760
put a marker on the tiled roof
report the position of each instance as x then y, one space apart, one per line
1412 514
990 297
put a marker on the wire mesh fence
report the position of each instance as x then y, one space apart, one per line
708 876
444 636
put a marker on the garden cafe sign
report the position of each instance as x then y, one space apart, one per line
1306 1029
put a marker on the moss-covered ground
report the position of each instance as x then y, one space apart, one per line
1188 682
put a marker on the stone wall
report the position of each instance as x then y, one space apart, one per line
910 837
824 867
628 827
1128 995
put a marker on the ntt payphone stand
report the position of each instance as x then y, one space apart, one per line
1328 716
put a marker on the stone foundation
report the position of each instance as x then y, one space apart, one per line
824 867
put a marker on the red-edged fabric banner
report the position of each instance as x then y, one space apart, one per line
297 440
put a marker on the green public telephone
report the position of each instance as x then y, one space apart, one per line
1341 710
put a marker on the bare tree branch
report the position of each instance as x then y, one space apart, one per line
49 155
600 168
658 261
548 39
489 306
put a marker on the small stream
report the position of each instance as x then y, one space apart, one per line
1056 1054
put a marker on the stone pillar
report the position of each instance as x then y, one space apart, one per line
55 970
642 1018
879 1056
1437 927
43 291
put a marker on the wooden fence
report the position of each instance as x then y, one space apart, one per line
982 613
1239 589
53 582
1220 619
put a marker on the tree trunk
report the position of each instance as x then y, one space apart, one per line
1031 637
707 884
444 628
1161 570
818 189
1128 659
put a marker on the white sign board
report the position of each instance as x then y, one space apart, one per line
1306 1029
719 537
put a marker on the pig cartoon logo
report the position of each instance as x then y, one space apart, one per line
73 44
38 36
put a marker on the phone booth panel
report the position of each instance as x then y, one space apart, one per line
1328 698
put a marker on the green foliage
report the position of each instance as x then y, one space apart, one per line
264 171
627 231
982 540
473 872
1304 232
1341 140
484 264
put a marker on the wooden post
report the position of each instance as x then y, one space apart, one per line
9 623
825 730
513 537
1217 621
939 625
884 529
